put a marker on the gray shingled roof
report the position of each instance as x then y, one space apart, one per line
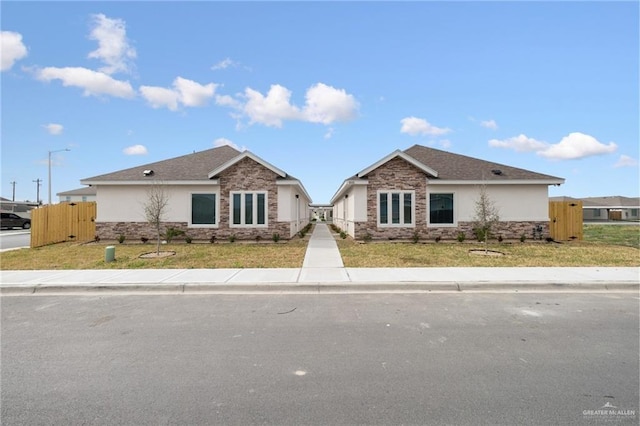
452 166
89 190
194 166
613 201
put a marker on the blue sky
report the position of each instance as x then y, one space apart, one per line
321 90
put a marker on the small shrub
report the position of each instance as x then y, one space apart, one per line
258 238
323 219
461 236
523 238
314 219
438 238
500 239
415 237
171 233
188 239
537 232
480 234
96 238
212 240
275 237
144 240
343 235
232 238
367 237
121 238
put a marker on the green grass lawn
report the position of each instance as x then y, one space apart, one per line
603 245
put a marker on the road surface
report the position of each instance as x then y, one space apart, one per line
10 239
464 359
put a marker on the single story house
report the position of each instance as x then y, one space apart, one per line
87 193
610 208
605 209
433 193
217 192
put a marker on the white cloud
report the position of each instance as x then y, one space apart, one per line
193 94
54 129
573 146
270 110
329 133
418 126
12 49
159 97
577 145
625 161
326 105
445 143
185 92
228 101
224 141
224 64
520 143
489 124
113 47
135 150
93 82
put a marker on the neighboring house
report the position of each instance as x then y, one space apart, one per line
610 208
321 211
78 195
7 205
433 193
218 192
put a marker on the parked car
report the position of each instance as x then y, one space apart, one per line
12 220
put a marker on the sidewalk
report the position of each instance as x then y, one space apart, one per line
322 272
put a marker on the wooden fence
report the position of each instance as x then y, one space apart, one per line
565 220
57 223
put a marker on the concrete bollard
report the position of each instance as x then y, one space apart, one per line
110 254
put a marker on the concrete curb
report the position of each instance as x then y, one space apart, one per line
317 288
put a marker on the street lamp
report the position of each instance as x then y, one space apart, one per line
51 152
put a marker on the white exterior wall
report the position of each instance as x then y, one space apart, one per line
125 203
514 202
291 209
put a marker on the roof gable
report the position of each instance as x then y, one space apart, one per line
397 153
246 154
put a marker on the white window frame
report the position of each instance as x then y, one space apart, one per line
455 211
254 211
217 215
402 192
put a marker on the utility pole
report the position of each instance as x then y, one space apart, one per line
51 152
13 198
38 184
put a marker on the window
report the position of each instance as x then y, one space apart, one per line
441 209
395 208
596 213
249 208
634 212
84 198
203 209
68 198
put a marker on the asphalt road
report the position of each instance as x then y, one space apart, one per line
14 238
462 359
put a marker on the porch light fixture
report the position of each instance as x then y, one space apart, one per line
148 172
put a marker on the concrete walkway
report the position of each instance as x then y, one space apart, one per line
322 272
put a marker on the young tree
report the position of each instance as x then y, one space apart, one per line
155 208
486 215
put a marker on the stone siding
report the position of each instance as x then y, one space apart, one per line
246 175
396 174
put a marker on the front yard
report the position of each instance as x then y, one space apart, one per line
603 246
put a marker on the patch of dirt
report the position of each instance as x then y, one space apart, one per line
483 252
155 255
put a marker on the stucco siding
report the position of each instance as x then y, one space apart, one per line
516 203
